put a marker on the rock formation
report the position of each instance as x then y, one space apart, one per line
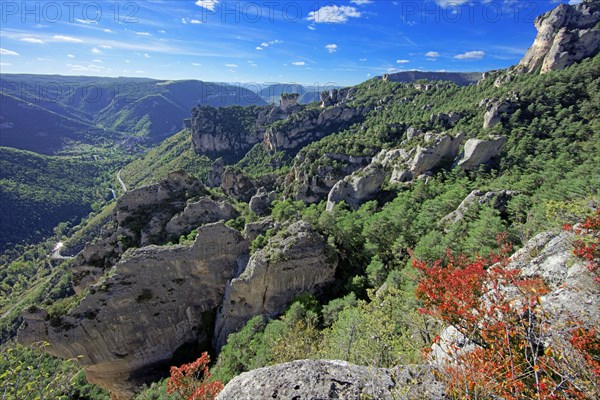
295 261
310 125
198 213
312 183
495 111
355 189
566 35
139 219
336 97
153 302
260 203
478 152
460 78
237 185
329 379
495 199
573 296
415 162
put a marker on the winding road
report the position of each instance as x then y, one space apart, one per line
56 252
121 181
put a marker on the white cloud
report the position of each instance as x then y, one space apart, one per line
331 48
3 64
146 55
97 61
96 51
362 59
5 52
208 4
471 55
259 48
195 21
162 31
299 63
68 39
432 54
105 46
108 31
402 61
32 40
70 56
361 2
87 68
143 33
333 14
231 65
127 61
451 3
196 64
183 21
312 28
86 21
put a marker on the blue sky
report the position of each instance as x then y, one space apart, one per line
310 42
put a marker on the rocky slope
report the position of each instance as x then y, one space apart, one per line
566 35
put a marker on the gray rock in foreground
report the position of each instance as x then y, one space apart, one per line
329 379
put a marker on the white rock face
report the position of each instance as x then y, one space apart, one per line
566 35
478 151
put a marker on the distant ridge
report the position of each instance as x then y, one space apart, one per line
460 78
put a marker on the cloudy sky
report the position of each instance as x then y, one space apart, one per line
311 42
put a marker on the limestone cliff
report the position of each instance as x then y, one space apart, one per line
149 305
566 35
295 261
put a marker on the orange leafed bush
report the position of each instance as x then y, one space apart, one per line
192 381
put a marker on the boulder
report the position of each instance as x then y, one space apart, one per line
253 229
478 152
361 186
566 35
330 379
155 301
295 261
260 203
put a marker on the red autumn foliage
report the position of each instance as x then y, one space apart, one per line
500 312
586 244
192 381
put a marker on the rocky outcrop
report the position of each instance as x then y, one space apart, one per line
446 121
311 125
260 203
573 295
198 213
253 229
237 185
311 181
495 199
336 97
295 261
222 131
478 152
355 189
216 172
496 110
329 379
566 35
417 161
155 301
139 219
